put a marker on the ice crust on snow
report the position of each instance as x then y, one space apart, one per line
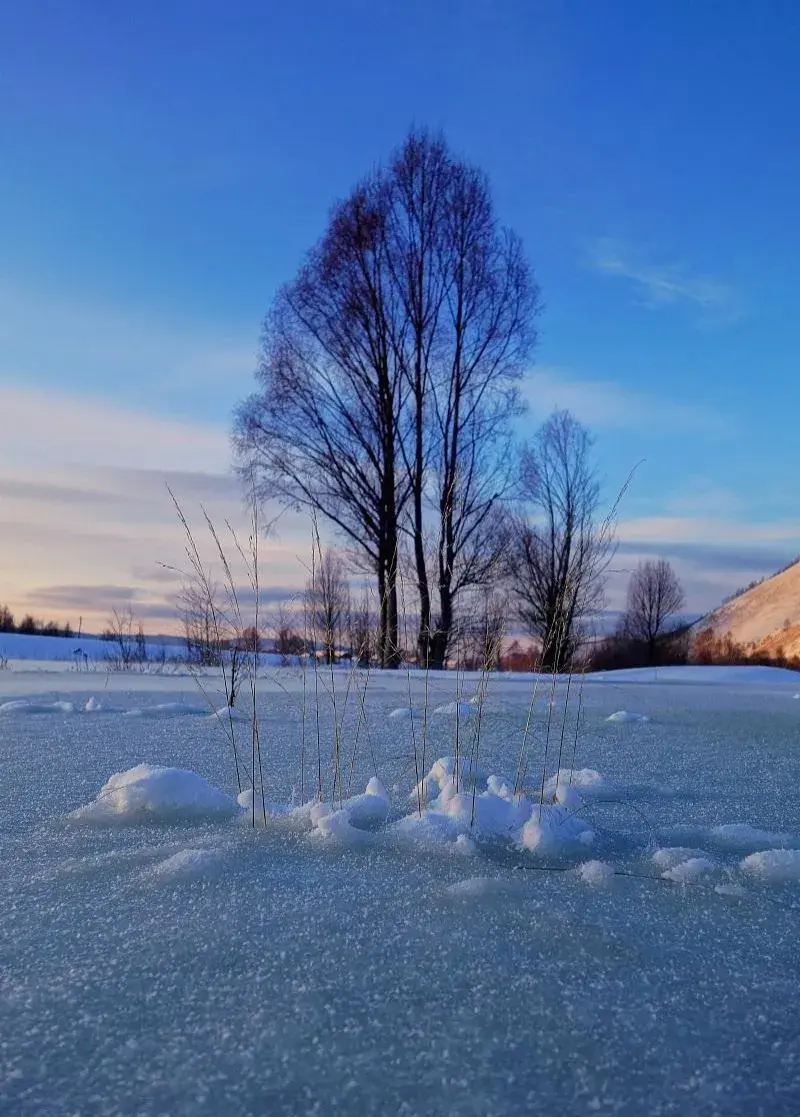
23 706
152 794
741 835
566 998
168 710
774 865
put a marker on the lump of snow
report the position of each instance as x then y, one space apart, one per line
587 780
465 846
741 835
669 856
552 830
226 714
337 827
475 888
401 712
729 889
597 874
462 709
151 794
356 819
627 717
168 710
445 773
687 871
188 864
776 865
23 706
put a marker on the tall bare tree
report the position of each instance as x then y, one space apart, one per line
328 600
323 431
655 596
559 552
387 380
468 302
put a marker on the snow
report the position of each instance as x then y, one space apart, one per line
23 706
152 794
461 709
670 856
168 710
685 872
626 717
776 865
227 714
351 954
187 864
597 874
402 712
741 835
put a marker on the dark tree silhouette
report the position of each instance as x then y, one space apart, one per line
559 553
655 596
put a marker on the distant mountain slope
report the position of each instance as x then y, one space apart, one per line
766 616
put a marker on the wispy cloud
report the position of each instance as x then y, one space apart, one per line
45 428
604 403
667 284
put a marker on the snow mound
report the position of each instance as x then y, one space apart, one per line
404 712
462 709
168 710
446 773
597 874
187 864
95 706
669 856
687 871
356 820
23 706
477 888
741 835
775 865
151 794
585 781
553 830
626 717
730 889
227 714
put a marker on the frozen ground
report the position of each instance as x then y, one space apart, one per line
189 965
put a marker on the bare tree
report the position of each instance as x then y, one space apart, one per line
467 301
485 631
388 381
655 596
323 432
200 606
328 599
559 553
361 630
288 642
126 637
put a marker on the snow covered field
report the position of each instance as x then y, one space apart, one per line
628 947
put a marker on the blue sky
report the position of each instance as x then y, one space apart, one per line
164 168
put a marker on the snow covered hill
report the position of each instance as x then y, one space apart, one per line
766 617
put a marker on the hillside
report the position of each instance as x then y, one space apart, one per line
765 618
